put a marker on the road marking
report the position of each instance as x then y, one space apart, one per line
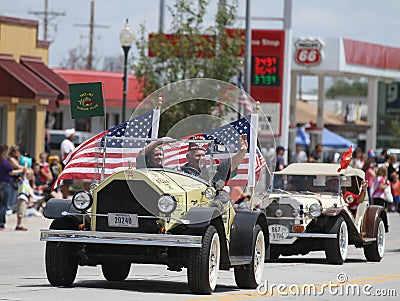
275 293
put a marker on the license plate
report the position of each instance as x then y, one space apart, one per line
123 220
278 232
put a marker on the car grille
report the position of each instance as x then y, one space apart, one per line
117 197
286 212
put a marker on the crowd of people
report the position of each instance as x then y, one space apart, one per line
25 185
381 172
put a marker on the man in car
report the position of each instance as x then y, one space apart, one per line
151 156
225 170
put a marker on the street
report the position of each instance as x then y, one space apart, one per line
23 276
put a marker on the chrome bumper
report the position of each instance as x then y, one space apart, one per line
141 239
312 235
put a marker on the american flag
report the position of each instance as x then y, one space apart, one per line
226 143
86 161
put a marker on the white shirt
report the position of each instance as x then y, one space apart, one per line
66 147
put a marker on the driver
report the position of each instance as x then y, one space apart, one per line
151 156
196 160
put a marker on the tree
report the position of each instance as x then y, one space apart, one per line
77 58
341 87
190 51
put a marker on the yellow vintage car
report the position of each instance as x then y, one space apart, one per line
155 216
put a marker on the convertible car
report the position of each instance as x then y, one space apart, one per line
311 213
155 216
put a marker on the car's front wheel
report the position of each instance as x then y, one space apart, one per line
115 270
376 250
203 265
250 276
61 263
336 248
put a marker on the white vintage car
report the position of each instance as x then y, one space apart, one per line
309 213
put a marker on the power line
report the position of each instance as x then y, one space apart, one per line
92 25
47 16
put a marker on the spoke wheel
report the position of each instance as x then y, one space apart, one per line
336 248
250 276
376 250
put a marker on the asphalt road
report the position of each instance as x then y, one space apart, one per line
23 277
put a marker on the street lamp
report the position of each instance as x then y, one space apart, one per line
126 39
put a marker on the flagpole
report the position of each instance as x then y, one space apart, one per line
253 153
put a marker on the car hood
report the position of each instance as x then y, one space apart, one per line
326 200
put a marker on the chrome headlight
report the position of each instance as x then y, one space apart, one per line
209 193
315 210
167 203
82 200
278 212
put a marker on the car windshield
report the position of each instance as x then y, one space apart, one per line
307 183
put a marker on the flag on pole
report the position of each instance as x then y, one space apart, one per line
346 158
86 161
86 100
226 143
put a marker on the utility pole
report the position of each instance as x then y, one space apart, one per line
47 16
91 25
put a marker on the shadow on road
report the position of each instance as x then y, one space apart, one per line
142 286
323 261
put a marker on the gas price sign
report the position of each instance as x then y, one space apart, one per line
265 71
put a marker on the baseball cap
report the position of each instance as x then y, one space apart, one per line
371 153
69 132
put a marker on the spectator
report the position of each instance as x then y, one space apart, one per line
370 174
391 167
25 197
45 173
66 147
299 156
395 186
14 157
379 186
279 165
382 158
6 173
358 159
316 154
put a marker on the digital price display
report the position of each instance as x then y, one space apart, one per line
265 71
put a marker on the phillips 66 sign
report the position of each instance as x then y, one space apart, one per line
308 52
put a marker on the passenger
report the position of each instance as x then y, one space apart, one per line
196 161
353 200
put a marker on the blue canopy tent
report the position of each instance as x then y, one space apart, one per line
329 139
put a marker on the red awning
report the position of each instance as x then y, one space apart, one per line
17 81
113 85
37 66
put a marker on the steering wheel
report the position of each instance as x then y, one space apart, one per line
191 170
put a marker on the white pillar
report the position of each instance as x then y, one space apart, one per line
287 24
372 112
292 115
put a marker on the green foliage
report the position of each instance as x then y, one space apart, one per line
342 87
191 51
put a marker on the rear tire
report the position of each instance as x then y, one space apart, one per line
116 271
61 263
203 264
376 250
250 276
336 248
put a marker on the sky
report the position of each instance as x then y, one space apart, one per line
364 20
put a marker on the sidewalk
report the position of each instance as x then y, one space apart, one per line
33 223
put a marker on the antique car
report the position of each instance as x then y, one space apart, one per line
310 213
155 216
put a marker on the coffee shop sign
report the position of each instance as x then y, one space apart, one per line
308 51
